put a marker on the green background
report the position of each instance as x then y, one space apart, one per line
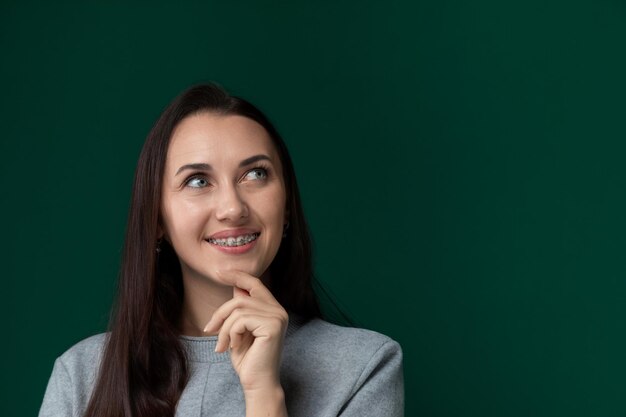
461 163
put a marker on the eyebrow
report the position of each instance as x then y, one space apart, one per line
254 159
207 167
200 167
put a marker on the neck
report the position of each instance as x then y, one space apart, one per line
202 297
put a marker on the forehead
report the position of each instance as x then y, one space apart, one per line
217 139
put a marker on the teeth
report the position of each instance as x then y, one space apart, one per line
235 241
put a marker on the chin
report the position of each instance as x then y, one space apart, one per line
254 270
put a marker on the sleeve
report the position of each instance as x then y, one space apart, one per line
379 390
58 400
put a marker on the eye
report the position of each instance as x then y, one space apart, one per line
257 174
197 182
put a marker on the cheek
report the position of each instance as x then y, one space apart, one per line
183 217
273 207
275 223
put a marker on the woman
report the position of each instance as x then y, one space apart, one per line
215 313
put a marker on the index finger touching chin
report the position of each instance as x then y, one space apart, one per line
253 285
238 292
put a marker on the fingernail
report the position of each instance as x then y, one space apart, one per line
208 326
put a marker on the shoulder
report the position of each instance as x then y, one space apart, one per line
82 359
336 347
320 335
357 372
73 377
88 348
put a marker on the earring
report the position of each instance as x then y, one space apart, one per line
285 227
158 246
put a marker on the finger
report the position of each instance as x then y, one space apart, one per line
237 339
240 330
253 285
240 337
238 323
225 310
223 337
238 292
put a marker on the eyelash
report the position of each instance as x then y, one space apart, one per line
194 177
264 168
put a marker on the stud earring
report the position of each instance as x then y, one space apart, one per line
158 246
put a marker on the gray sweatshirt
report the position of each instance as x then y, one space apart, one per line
326 370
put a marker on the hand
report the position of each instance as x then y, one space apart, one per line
253 324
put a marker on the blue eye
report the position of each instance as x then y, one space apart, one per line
197 182
257 174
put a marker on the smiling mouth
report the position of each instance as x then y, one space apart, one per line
234 241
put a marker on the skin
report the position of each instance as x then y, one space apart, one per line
225 293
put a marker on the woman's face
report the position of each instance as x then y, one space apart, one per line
223 204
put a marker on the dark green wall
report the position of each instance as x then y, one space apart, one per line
461 162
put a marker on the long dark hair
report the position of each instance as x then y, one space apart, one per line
144 369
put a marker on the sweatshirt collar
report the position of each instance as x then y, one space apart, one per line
202 348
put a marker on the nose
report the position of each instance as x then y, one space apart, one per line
230 205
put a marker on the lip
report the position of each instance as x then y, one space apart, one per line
232 233
233 250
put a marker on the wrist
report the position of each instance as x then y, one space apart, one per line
268 400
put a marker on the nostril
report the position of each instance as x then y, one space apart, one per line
231 206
